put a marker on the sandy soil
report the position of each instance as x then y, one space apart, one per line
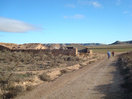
96 81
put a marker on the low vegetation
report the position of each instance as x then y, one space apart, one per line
33 61
18 67
44 77
125 66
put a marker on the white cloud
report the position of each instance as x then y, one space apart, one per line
70 5
90 3
11 25
77 16
96 4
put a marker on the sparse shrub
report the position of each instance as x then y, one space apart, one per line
44 77
69 58
34 61
22 77
82 65
29 88
90 62
14 91
63 71
77 59
28 61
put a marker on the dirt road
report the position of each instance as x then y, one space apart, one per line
96 81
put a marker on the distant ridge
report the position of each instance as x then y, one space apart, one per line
92 44
79 46
121 42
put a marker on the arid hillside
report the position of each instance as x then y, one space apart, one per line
24 46
9 45
21 71
33 46
30 46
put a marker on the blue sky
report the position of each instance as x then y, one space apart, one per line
65 21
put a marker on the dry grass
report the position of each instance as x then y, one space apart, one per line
11 63
27 68
33 61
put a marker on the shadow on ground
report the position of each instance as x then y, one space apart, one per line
112 90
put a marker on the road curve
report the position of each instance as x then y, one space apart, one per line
96 81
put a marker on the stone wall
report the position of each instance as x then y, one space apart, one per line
72 52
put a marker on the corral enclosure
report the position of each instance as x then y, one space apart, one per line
72 51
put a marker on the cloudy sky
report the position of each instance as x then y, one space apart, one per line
65 21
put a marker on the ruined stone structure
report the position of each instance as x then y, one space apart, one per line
36 47
86 50
90 52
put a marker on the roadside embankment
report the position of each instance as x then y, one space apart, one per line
125 66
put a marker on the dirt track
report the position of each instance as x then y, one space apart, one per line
97 81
